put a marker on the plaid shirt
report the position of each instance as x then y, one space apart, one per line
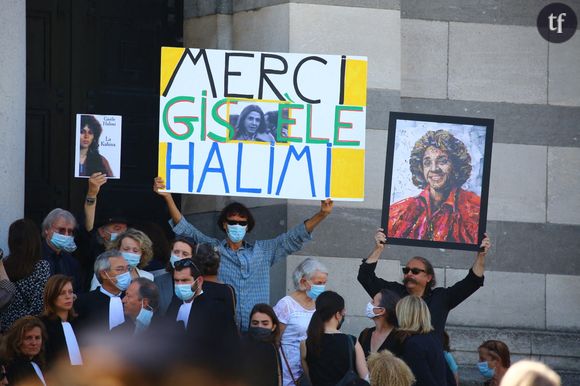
248 268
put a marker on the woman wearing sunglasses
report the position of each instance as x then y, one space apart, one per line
245 266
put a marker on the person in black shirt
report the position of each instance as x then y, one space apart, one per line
325 354
419 279
262 365
381 310
420 348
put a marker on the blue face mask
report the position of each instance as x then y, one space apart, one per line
315 290
143 320
173 259
484 369
114 236
236 232
133 259
64 242
184 292
123 281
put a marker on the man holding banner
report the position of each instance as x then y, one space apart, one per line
243 265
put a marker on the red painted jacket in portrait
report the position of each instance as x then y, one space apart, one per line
457 220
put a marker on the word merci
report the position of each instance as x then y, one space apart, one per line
292 159
199 114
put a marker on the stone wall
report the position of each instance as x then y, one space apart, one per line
468 58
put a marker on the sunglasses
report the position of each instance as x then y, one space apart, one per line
236 222
415 271
185 263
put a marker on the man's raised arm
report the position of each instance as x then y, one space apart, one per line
159 183
478 267
325 209
96 180
366 272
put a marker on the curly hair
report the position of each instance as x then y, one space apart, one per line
235 208
144 243
443 140
96 129
387 369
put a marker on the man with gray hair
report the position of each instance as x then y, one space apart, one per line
58 244
102 309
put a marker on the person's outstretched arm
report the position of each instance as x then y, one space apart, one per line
96 180
325 209
380 241
478 267
464 288
366 272
159 183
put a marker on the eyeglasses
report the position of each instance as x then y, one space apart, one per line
236 222
120 270
185 263
64 231
415 271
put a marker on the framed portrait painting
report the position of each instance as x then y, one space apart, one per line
437 180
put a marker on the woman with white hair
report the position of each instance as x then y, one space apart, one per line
294 312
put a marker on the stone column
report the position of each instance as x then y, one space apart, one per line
12 113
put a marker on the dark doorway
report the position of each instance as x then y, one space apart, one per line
99 57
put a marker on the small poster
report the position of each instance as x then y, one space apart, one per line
98 145
437 180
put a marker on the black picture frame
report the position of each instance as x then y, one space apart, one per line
403 129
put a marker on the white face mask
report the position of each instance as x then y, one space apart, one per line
369 311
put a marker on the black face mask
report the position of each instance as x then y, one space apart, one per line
260 333
340 323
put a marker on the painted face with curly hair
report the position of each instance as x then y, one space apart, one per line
439 160
437 168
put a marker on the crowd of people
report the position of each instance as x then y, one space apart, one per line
101 301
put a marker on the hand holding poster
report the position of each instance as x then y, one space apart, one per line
262 124
98 145
436 181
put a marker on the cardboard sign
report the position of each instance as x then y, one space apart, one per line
262 124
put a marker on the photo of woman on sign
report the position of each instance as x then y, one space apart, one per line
251 126
90 161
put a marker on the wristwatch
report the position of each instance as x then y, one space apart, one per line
90 200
